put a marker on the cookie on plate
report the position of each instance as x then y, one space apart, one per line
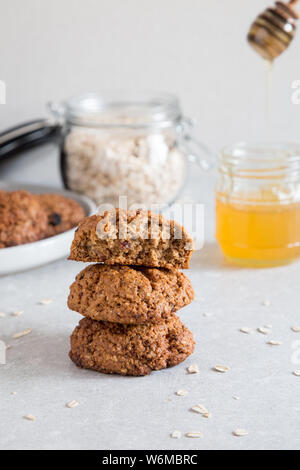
135 350
62 213
22 219
140 238
129 295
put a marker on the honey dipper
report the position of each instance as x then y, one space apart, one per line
274 29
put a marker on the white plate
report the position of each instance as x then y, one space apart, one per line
32 255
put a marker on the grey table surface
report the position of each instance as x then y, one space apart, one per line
141 413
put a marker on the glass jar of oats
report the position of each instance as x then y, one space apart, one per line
119 144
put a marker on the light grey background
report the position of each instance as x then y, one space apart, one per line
50 50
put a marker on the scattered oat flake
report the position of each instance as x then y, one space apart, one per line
206 415
240 432
274 343
17 314
22 333
194 435
72 404
246 330
2 315
266 303
295 329
29 417
263 331
176 435
193 369
181 393
296 373
222 369
46 301
199 409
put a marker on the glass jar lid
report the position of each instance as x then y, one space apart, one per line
123 109
261 160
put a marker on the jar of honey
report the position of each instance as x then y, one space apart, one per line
258 204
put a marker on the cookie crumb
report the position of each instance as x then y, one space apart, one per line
222 369
176 435
22 333
45 301
72 404
181 393
13 393
193 369
240 432
30 417
194 435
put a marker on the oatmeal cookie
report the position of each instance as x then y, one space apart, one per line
63 213
140 238
125 294
22 219
136 350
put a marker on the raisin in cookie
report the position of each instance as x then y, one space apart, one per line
136 350
140 238
125 294
63 213
22 219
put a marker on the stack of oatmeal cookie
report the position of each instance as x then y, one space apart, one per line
130 299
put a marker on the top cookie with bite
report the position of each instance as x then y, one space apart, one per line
139 238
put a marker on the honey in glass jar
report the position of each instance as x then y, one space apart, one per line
258 204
